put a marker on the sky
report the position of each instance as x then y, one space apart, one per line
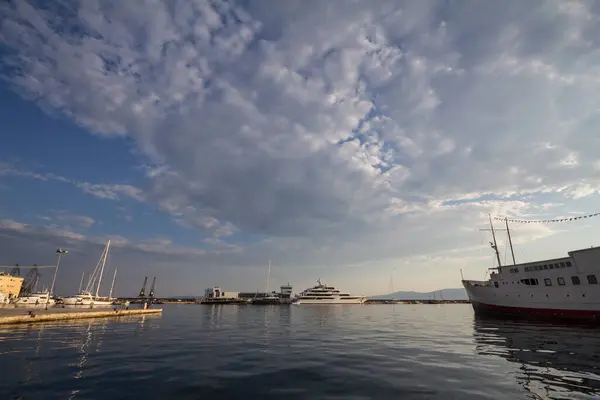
364 142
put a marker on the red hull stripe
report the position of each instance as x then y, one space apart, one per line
538 312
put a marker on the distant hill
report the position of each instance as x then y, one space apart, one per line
442 294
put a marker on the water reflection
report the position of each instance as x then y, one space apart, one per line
556 361
74 346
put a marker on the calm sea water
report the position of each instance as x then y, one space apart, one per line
279 352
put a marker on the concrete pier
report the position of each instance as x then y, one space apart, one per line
24 316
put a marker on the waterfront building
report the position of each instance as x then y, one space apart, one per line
10 285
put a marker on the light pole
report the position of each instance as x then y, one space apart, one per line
60 252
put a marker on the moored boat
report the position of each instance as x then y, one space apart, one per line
85 298
266 300
326 294
35 299
558 288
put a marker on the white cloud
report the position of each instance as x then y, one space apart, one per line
78 221
341 128
111 191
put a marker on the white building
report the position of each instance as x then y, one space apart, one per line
217 293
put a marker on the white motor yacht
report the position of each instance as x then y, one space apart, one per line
326 294
34 299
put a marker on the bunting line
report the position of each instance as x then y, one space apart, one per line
545 221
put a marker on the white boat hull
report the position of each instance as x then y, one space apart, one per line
33 303
359 300
86 302
34 300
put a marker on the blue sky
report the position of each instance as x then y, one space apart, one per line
206 137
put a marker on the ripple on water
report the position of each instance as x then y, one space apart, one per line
368 352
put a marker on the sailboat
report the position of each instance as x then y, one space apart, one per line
85 297
269 298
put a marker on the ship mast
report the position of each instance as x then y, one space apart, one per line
512 252
495 244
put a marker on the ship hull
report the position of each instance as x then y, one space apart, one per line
35 300
86 302
519 301
495 310
266 302
330 301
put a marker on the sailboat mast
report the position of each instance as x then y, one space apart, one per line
495 243
112 287
512 252
102 269
268 278
81 283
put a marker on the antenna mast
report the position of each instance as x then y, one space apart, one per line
512 252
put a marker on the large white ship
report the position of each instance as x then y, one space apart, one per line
565 288
326 294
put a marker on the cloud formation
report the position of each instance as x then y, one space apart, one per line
336 134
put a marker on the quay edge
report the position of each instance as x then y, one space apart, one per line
33 316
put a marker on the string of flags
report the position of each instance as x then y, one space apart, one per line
546 221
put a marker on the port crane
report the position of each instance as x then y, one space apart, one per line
30 280
143 290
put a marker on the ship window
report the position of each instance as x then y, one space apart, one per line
561 281
530 281
545 266
496 284
575 280
592 280
562 264
548 282
551 266
569 264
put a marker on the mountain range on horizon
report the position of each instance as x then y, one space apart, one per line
442 294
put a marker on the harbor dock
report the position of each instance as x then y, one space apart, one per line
22 316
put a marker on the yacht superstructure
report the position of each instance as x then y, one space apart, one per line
327 294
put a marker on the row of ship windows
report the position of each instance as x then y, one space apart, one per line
566 264
592 280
